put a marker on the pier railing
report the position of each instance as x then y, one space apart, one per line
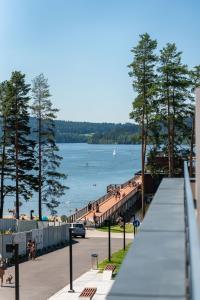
116 207
128 181
81 212
192 240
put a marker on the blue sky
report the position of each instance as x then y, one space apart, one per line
83 47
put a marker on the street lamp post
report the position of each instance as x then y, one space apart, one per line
109 242
133 224
70 262
124 232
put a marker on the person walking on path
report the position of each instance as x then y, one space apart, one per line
85 222
89 206
28 247
97 207
2 270
33 250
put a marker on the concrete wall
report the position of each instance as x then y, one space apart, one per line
197 137
154 267
6 224
21 225
17 225
44 238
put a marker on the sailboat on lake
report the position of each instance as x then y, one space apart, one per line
114 152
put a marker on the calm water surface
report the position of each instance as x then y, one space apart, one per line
90 169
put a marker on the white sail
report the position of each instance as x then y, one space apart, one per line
114 152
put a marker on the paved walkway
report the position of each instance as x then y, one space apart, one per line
91 233
155 266
47 275
90 279
112 200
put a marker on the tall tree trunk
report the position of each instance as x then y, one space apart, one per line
144 114
143 165
169 133
40 168
173 136
16 162
2 171
192 146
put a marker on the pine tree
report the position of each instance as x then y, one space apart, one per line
174 94
5 163
21 150
50 186
144 83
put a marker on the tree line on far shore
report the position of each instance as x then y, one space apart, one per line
28 165
94 133
164 104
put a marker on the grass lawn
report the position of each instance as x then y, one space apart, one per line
116 258
117 228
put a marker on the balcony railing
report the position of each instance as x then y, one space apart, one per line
192 241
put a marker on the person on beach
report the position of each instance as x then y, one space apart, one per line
28 247
33 250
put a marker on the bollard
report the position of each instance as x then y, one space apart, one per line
94 261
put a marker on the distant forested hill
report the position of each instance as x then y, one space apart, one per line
94 133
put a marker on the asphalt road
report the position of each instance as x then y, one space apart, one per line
49 273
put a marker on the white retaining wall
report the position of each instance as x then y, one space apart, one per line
44 238
19 225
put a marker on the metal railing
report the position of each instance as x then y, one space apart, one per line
192 240
115 207
81 212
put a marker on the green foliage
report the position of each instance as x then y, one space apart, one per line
174 96
5 163
195 77
144 83
50 180
63 218
116 258
93 133
19 148
117 228
114 138
163 105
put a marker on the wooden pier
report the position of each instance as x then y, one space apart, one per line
116 202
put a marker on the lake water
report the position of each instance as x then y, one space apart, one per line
90 169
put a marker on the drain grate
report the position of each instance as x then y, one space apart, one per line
88 293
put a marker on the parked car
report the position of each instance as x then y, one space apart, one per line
78 229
